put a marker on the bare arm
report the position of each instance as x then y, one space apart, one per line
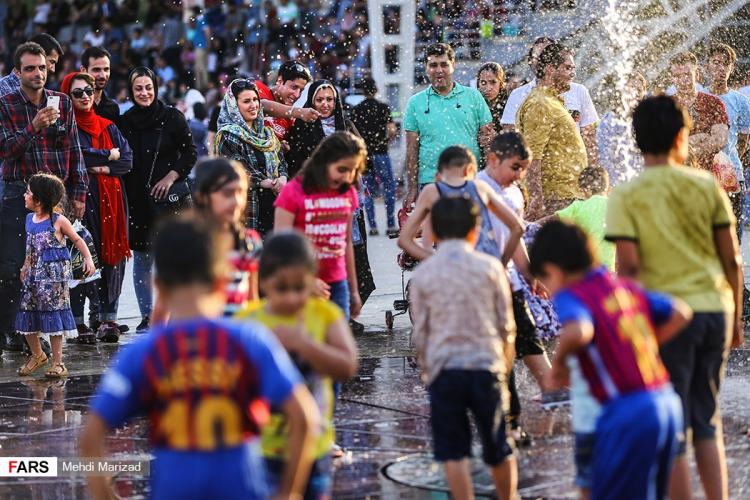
681 316
574 336
91 444
588 134
407 238
283 219
742 142
336 358
302 416
711 143
536 193
628 259
725 241
278 110
391 130
412 166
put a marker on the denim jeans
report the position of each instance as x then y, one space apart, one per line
381 170
143 262
12 252
340 296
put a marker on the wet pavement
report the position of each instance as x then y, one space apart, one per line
382 418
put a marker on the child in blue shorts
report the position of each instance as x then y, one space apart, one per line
204 382
613 328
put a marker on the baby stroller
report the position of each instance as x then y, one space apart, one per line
406 263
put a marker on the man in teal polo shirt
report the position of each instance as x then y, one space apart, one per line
445 114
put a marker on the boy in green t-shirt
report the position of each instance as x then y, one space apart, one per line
590 214
674 231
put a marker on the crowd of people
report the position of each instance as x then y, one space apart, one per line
250 265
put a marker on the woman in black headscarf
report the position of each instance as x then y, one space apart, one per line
304 137
163 156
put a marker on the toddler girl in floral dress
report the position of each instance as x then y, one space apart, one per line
45 297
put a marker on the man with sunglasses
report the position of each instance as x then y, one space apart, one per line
96 62
34 138
278 101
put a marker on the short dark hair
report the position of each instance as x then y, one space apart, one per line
48 190
291 70
369 87
335 147
48 43
284 249
453 217
189 249
455 157
538 41
94 53
563 244
552 55
657 121
440 49
510 144
725 50
594 179
27 48
199 111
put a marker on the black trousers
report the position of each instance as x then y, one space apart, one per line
12 252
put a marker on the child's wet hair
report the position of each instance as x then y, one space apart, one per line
335 147
657 121
509 145
190 249
453 217
47 190
455 157
563 244
594 180
212 175
284 249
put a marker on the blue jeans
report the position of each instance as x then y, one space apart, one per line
340 296
143 262
381 169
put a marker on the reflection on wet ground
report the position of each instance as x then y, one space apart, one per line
382 421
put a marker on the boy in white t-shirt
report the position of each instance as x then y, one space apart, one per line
507 162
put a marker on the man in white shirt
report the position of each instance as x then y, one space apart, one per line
577 100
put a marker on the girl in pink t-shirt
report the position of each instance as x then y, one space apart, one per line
320 202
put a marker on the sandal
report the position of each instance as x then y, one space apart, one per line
33 364
58 370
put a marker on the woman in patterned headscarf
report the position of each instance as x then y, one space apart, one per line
242 136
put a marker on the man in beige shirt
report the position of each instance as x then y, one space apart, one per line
553 136
464 333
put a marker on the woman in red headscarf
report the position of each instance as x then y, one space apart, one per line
108 156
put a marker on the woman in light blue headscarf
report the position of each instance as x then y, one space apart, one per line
243 136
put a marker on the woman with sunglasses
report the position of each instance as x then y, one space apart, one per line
108 157
244 137
163 156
